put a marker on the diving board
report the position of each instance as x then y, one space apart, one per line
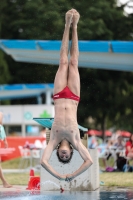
47 122
109 55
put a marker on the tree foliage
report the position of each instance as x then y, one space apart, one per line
43 19
4 71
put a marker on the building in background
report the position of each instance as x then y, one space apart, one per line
18 119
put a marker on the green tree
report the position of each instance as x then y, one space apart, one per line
42 19
5 76
4 71
2 15
107 97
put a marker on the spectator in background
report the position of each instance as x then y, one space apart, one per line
43 132
113 147
104 153
3 137
129 147
114 138
119 144
92 142
122 163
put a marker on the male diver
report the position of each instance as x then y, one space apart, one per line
64 133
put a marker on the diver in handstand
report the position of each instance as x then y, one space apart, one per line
64 133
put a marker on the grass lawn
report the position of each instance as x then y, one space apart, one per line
119 179
110 179
18 178
11 164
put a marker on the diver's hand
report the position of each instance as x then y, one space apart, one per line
62 177
69 177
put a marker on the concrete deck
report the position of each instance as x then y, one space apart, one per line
19 188
13 188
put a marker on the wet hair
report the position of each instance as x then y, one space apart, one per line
66 161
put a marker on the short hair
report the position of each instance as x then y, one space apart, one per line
120 136
66 161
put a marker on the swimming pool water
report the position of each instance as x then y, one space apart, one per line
96 195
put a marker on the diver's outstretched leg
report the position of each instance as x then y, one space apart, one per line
61 76
73 76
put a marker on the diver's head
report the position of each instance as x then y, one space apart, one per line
64 151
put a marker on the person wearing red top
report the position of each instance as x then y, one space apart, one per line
129 147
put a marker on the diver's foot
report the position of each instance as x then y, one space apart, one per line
69 17
76 17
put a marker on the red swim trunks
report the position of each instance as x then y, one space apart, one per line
66 94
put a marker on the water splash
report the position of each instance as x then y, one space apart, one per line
50 182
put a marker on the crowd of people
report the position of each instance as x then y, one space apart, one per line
121 149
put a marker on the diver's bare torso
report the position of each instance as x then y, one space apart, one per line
65 122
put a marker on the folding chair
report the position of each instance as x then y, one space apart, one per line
25 157
36 153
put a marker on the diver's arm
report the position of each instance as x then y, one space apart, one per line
86 164
45 158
